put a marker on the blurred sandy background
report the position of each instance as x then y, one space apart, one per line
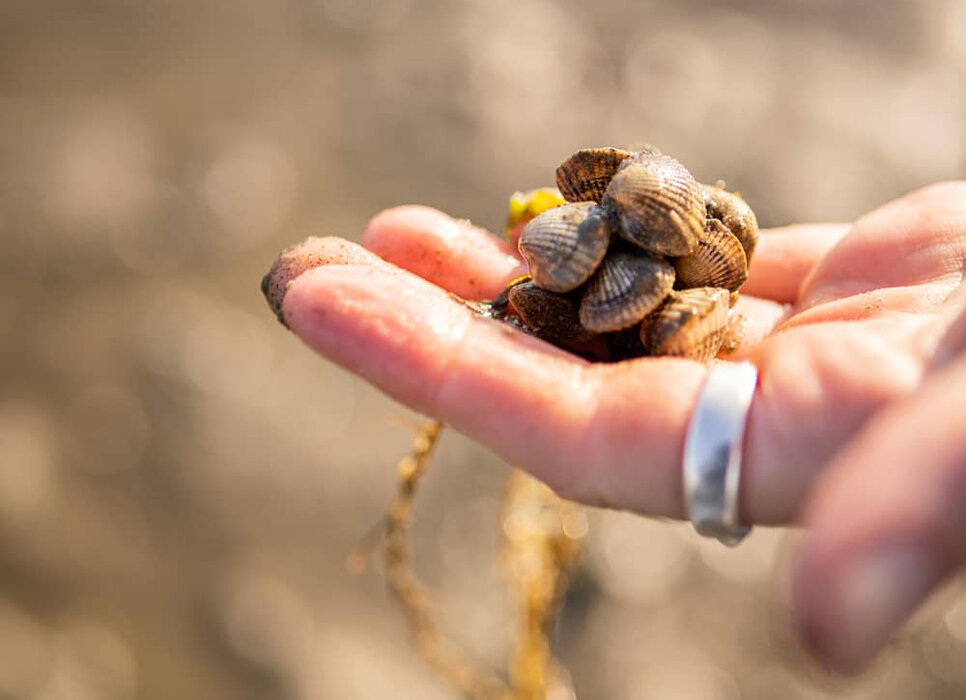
180 480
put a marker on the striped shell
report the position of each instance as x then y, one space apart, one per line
733 212
552 317
660 206
691 323
626 288
564 245
718 261
584 176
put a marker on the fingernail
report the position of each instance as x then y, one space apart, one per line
876 594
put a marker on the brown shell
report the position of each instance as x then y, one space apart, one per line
733 212
550 316
564 245
691 323
718 261
660 206
626 288
584 176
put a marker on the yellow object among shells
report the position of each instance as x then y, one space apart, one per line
526 206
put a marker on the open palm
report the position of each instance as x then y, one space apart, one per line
855 331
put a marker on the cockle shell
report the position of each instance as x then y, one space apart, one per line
735 214
660 206
552 317
626 288
691 323
584 176
718 261
564 245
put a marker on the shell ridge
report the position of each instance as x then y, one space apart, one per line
718 260
691 323
624 290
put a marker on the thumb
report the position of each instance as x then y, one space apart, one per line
887 524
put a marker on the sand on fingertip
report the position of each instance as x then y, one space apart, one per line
313 252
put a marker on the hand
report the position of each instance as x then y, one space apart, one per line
858 335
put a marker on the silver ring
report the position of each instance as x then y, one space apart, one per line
712 451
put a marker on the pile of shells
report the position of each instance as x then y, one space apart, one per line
641 260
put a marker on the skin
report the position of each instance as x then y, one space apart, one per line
855 431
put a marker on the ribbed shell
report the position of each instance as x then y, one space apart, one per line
564 245
718 261
691 323
626 288
734 213
550 316
584 176
659 204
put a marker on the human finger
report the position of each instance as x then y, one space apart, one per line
313 252
818 385
785 256
952 341
451 253
917 239
921 300
887 524
602 434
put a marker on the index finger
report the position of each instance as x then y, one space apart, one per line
566 421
